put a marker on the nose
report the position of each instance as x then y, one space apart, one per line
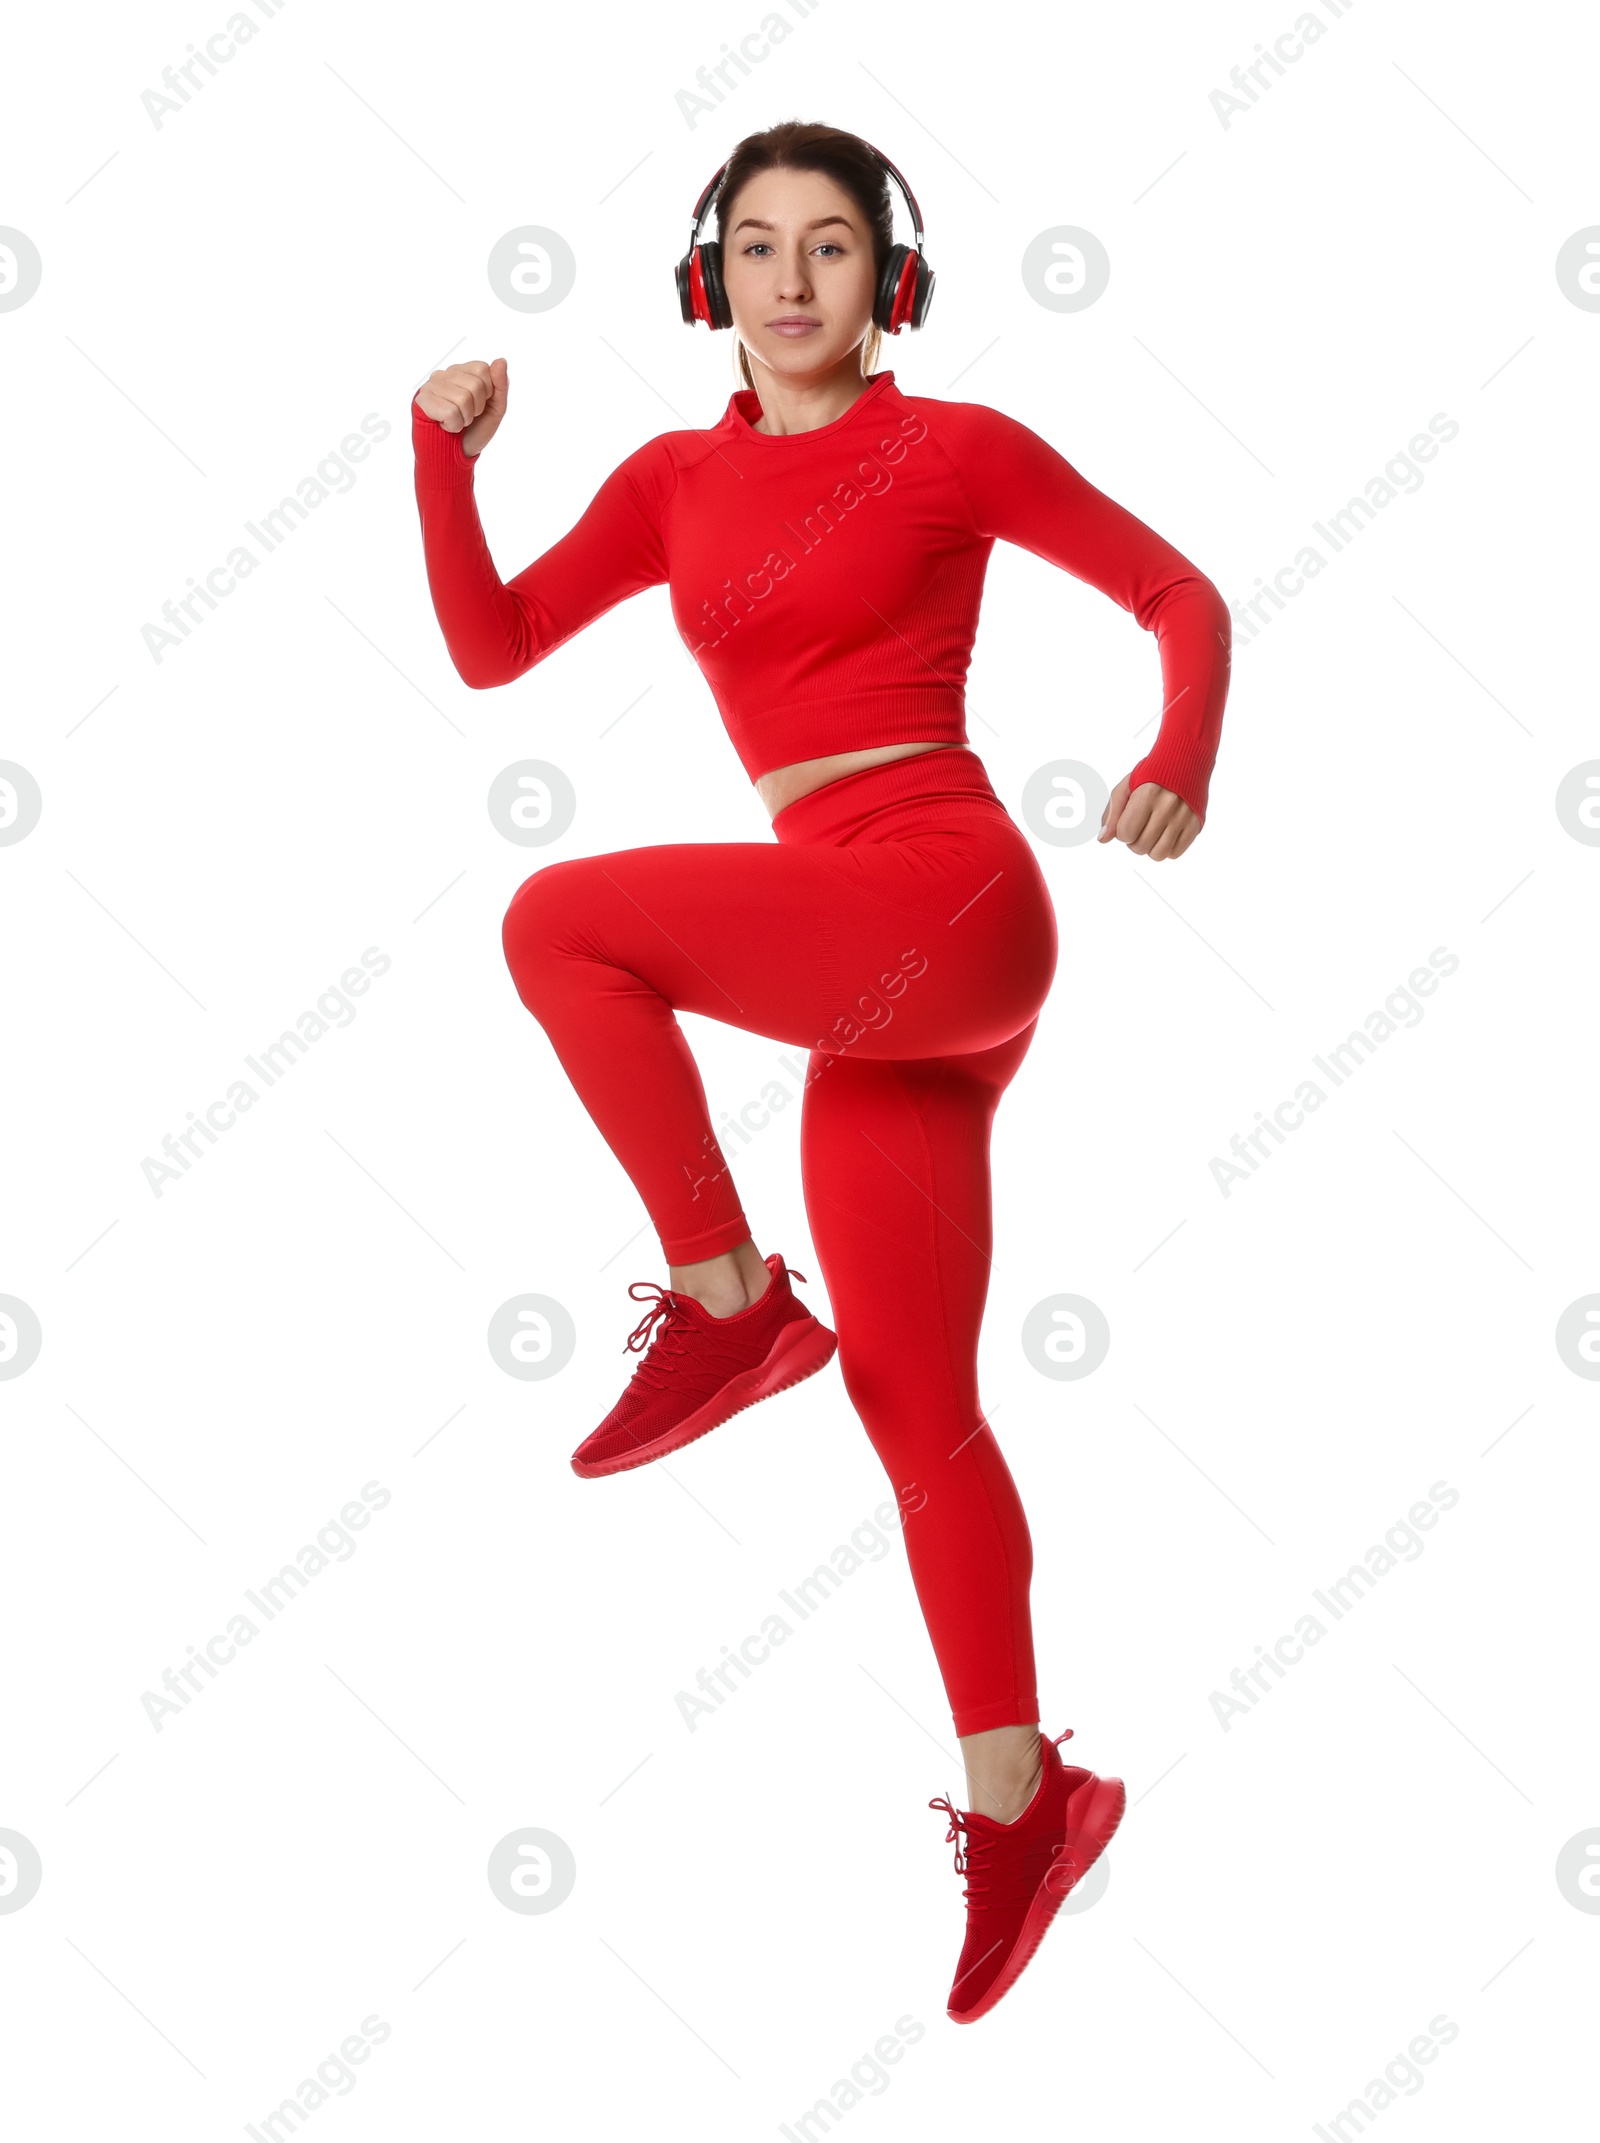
793 279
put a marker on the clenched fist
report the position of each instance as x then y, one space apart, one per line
1154 821
469 399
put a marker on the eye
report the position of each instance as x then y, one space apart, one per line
829 245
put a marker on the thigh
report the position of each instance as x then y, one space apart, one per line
908 949
895 1160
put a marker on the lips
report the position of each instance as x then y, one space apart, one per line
793 326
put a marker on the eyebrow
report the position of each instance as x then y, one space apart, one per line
757 224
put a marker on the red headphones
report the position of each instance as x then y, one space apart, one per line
905 288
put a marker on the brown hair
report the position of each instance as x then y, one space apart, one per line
807 145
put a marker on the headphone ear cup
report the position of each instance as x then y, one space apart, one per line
905 291
888 292
718 312
923 296
700 292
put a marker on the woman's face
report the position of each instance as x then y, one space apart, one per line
797 267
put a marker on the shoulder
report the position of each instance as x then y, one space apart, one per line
969 426
994 457
654 469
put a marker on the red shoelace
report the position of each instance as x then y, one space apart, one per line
974 1847
665 1329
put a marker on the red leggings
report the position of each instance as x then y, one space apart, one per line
901 931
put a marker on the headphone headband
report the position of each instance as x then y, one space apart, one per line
714 183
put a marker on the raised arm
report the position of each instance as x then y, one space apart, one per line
1021 490
496 629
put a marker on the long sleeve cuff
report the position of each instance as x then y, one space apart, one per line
441 460
1183 766
1196 658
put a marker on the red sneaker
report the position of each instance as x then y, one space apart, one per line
700 1369
1018 1873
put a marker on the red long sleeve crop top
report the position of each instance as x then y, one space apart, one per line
827 582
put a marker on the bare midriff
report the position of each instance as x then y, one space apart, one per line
786 784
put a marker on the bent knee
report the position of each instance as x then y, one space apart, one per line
537 924
551 897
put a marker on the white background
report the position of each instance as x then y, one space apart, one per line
1292 1900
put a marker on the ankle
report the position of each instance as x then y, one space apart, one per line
1004 1792
1004 1807
728 1284
718 1302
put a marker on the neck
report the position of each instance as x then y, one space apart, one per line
801 405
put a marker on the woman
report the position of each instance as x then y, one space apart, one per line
825 546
